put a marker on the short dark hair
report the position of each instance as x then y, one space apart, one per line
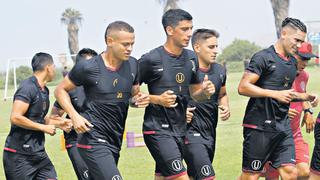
173 16
40 61
294 23
118 26
85 52
203 34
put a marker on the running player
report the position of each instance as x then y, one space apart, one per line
303 55
267 81
77 97
203 116
24 154
109 81
170 71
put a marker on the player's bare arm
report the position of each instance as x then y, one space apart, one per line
224 104
17 117
248 88
80 124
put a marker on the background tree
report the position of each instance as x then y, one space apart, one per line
238 50
169 4
22 72
72 18
280 12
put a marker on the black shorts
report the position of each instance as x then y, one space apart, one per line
79 166
25 167
315 161
262 146
199 157
101 161
167 151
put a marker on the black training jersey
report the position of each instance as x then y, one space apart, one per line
275 74
205 116
23 140
77 97
161 72
107 94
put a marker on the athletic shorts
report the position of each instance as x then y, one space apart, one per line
315 161
26 167
79 166
167 151
199 159
262 146
100 158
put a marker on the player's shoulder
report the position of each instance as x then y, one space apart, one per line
152 55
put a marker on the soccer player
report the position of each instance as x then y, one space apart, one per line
203 116
24 154
77 97
267 81
170 71
109 81
303 55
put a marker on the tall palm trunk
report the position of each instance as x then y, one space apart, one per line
73 41
280 12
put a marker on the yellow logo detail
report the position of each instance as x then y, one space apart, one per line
180 78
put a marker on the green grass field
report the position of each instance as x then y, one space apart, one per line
137 164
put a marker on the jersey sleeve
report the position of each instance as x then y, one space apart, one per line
224 73
78 73
134 65
150 67
195 78
26 93
257 64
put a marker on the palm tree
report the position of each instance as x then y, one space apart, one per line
280 12
169 4
72 18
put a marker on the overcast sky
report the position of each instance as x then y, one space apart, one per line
30 26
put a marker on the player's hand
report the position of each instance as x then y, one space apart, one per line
284 96
292 113
80 124
314 100
224 112
66 125
208 87
168 99
189 113
308 121
141 100
49 129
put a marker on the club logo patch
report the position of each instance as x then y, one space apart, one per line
206 170
177 165
116 177
180 78
256 164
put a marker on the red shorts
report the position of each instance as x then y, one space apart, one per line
302 151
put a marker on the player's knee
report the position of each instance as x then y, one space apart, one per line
290 173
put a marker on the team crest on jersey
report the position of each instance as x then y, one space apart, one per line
286 81
115 82
180 77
